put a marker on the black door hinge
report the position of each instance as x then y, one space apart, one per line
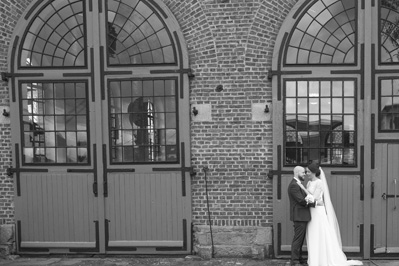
11 171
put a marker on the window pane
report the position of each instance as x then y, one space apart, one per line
349 122
290 106
325 88
302 106
313 106
349 88
337 105
325 105
290 89
303 88
349 105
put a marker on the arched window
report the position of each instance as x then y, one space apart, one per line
325 34
56 37
137 35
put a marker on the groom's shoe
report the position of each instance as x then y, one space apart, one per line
304 264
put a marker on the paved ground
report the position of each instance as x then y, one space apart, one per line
148 261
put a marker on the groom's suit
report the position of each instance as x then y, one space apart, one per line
300 215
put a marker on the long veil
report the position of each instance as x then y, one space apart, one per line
332 218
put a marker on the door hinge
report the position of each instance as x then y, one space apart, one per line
95 188
11 171
105 189
5 76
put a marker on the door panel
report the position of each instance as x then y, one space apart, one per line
385 217
146 210
282 217
345 195
56 210
393 199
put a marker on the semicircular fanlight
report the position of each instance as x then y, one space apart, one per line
325 34
137 35
389 30
56 38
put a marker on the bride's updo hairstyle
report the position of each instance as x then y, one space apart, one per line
314 168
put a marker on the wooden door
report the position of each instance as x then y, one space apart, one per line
99 129
147 173
318 114
385 199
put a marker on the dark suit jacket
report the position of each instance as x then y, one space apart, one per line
299 209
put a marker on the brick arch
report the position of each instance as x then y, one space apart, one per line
12 12
196 27
264 30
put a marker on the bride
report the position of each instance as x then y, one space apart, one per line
322 235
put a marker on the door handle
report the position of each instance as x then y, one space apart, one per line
95 189
384 196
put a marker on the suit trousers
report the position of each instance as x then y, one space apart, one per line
297 242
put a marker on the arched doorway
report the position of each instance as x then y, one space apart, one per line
99 124
334 94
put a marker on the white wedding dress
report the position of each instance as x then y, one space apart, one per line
322 235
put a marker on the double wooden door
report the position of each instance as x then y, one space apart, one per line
335 100
101 147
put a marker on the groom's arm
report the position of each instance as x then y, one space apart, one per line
297 195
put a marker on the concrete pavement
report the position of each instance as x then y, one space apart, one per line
148 261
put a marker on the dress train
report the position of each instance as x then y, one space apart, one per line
322 244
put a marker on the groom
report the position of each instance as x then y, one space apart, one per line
299 214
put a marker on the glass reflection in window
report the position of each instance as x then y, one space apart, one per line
56 38
54 122
389 31
389 105
143 121
320 122
137 35
325 34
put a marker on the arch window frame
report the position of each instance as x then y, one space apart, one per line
298 16
37 14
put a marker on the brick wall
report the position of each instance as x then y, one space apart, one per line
231 44
10 12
